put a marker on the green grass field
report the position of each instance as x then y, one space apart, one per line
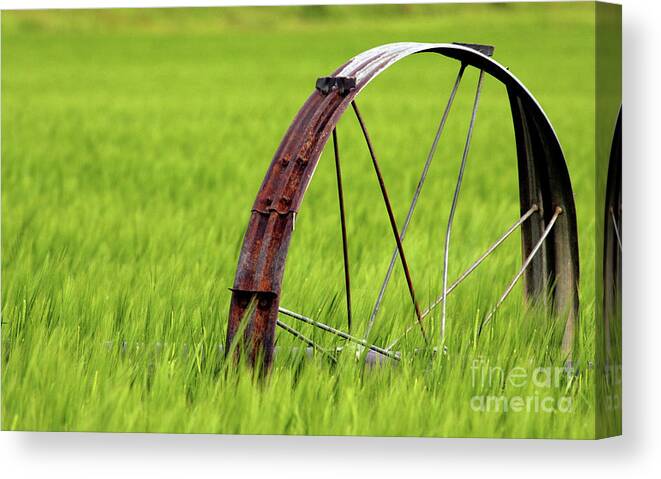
133 144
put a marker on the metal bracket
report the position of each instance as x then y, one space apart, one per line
483 49
271 209
342 84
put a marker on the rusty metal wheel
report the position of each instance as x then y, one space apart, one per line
550 268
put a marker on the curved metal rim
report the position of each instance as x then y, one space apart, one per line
612 253
262 258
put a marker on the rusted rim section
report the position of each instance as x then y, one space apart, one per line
543 181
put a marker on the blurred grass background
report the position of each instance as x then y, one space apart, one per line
133 144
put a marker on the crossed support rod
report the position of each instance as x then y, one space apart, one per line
339 333
443 297
393 222
414 200
298 335
455 199
388 351
343 221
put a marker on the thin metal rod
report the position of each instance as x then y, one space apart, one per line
391 217
337 332
479 261
416 195
547 230
448 231
472 268
304 338
345 247
617 231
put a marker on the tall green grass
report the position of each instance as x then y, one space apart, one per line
133 145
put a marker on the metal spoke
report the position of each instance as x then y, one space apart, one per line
617 231
472 268
345 247
414 201
391 217
337 332
479 261
446 248
547 230
305 339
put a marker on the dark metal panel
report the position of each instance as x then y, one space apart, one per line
544 180
612 255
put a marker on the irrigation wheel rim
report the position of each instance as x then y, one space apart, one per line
549 236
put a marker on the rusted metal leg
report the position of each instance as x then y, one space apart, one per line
252 312
508 290
345 247
455 198
391 217
416 195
